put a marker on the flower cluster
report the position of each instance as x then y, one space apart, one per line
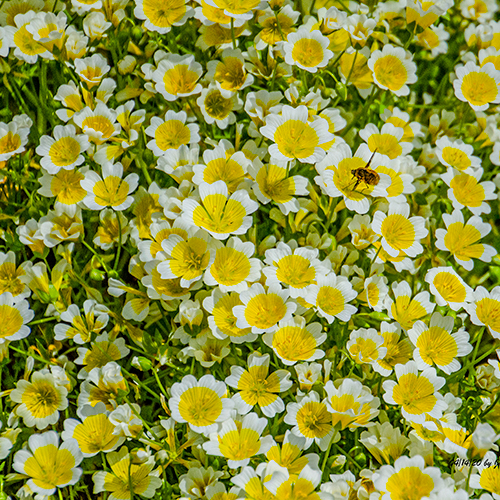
249 249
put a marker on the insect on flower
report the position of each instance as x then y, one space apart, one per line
366 174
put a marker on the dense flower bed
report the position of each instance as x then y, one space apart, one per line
249 249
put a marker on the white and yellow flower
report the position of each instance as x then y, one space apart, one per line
94 433
448 287
101 351
272 183
257 386
98 124
171 133
466 190
436 345
336 177
177 76
160 17
229 74
393 69
307 49
65 187
233 267
218 212
128 476
186 259
222 321
222 164
10 277
200 403
295 137
365 345
408 478
350 403
289 454
296 269
63 151
311 420
399 349
399 231
416 393
289 486
387 141
47 464
39 400
92 69
462 240
15 313
406 310
218 109
239 440
330 297
13 139
262 310
485 309
294 340
110 190
80 328
456 154
477 85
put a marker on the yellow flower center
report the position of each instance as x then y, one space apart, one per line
200 406
180 80
50 467
227 170
265 310
415 394
296 139
65 185
274 184
95 434
230 266
230 73
409 483
11 322
479 88
398 231
10 282
390 72
456 158
162 14
488 312
41 398
330 300
217 106
460 241
296 271
307 52
450 287
437 346
111 191
294 343
9 143
64 152
219 215
385 144
467 190
172 134
406 311
314 420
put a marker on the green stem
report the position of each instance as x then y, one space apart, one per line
232 33
118 251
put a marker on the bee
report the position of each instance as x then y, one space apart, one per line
366 174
